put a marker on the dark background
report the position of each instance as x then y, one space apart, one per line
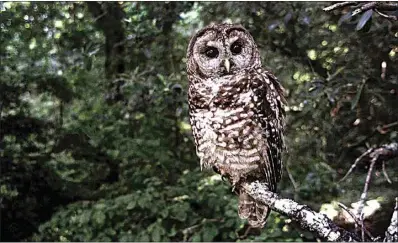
95 139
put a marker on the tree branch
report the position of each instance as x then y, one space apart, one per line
310 220
339 5
392 230
383 153
365 6
364 195
317 223
356 220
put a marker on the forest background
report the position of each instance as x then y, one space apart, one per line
94 131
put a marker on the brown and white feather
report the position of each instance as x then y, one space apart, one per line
237 120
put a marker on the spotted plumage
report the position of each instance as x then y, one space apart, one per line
236 112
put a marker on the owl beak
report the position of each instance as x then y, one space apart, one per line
227 65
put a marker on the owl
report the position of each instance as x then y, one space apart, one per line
236 110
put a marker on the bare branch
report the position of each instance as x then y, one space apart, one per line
364 195
356 220
385 173
387 126
390 17
338 5
361 7
192 228
365 7
356 163
310 220
386 152
344 207
294 183
383 153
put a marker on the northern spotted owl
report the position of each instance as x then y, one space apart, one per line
236 112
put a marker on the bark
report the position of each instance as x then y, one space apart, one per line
315 222
319 223
310 220
392 230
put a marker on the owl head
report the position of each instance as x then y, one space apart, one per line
221 49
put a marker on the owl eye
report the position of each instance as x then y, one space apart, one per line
236 48
211 52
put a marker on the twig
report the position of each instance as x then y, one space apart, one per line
366 186
192 228
357 144
374 132
291 177
363 8
310 220
100 16
242 237
362 217
390 125
387 151
390 17
357 223
338 5
344 207
355 163
364 195
385 173
384 152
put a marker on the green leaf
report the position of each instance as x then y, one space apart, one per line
131 205
142 201
164 212
172 232
196 238
100 206
209 233
99 217
144 237
84 217
157 233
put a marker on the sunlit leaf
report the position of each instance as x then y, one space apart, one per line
99 217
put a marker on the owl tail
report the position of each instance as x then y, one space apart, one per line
255 213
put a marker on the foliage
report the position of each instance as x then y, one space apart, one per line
89 153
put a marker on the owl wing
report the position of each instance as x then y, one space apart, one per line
271 117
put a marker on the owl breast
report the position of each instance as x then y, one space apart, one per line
228 124
236 112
